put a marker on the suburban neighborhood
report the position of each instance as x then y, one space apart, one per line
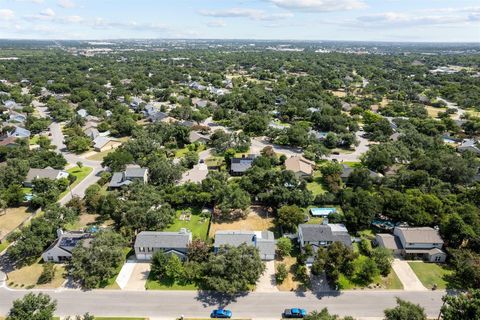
245 179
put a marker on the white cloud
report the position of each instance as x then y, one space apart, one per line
66 4
33 1
405 20
47 13
216 24
6 14
319 5
100 23
73 19
252 14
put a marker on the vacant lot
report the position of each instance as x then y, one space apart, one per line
27 277
430 274
11 220
257 220
193 221
433 112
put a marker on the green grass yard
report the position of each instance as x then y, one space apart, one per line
316 186
166 284
198 225
430 274
79 174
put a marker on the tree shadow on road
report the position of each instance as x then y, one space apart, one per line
210 298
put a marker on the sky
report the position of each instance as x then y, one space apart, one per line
361 20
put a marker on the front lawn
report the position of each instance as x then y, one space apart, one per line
27 277
4 245
111 283
98 156
119 318
167 284
430 274
192 220
79 174
391 282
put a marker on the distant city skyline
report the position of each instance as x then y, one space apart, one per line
358 20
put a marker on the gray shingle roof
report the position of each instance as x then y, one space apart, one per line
41 173
325 232
241 165
263 240
154 239
420 235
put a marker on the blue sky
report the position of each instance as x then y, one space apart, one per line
376 20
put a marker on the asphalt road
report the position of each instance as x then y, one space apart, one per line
172 304
79 190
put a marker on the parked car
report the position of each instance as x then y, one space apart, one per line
221 313
294 313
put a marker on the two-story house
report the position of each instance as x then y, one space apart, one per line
148 242
414 243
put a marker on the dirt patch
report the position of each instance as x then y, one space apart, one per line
289 284
27 277
433 112
257 220
12 219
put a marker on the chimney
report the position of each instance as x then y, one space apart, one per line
325 221
59 232
183 231
254 239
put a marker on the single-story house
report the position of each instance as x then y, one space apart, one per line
8 142
12 105
347 171
19 132
186 123
17 117
120 179
101 144
319 135
199 103
300 166
239 166
469 145
198 137
157 116
47 173
322 235
414 243
90 118
91 132
264 241
148 242
61 249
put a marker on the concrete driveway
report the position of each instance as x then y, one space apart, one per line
134 275
267 282
406 275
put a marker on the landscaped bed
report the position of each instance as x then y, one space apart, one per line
167 284
430 274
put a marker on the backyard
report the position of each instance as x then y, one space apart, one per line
316 186
12 219
257 220
430 274
193 220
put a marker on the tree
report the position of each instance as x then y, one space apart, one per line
198 250
190 159
33 307
405 311
79 164
284 246
289 217
466 266
368 270
47 274
92 266
174 268
86 316
324 315
320 261
117 160
462 306
233 269
281 274
383 258
158 264
331 172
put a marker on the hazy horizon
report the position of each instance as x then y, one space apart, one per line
429 21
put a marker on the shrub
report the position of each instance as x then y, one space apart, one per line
48 273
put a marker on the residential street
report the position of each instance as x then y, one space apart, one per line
79 190
172 304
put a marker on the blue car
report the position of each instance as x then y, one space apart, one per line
294 313
221 313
